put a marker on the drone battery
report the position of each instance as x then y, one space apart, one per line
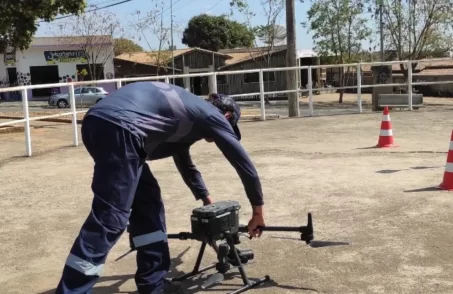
214 220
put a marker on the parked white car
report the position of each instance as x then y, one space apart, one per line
83 96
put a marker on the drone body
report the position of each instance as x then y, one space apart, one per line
220 222
214 221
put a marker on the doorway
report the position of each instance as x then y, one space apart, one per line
47 74
12 80
199 85
96 70
12 76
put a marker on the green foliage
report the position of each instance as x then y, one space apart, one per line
417 29
123 45
239 4
216 32
18 20
82 73
339 28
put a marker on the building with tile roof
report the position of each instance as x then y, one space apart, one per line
197 60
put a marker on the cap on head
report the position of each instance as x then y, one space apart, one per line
225 104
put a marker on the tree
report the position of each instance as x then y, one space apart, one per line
216 32
152 22
18 21
339 28
123 45
93 33
417 29
269 33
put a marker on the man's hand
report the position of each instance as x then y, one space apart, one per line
208 200
256 221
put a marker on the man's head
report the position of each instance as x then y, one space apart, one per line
229 108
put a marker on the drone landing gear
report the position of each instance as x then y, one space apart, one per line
227 255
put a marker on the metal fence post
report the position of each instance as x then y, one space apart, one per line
27 122
409 83
167 80
359 87
262 102
75 134
214 82
310 91
118 84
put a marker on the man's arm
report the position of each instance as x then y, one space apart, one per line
219 130
190 174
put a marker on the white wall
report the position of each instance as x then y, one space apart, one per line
34 56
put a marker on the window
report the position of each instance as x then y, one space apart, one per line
221 79
77 91
268 76
252 77
88 90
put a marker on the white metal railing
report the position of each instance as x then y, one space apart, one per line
359 86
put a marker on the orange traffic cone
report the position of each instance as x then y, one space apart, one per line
386 134
447 183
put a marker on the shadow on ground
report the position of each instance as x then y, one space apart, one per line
191 285
391 171
427 189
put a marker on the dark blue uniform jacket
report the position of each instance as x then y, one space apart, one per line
170 119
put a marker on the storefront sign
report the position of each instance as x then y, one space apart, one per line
9 58
65 56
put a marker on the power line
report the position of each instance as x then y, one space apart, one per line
102 2
174 3
213 6
94 9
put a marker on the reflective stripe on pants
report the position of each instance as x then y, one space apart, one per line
148 233
119 159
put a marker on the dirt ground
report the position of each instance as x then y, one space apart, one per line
382 201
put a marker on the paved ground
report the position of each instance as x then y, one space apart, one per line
381 201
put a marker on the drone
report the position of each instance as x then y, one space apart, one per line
220 222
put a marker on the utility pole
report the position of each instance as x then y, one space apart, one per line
171 32
381 29
291 59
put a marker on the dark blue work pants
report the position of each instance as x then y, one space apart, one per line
124 190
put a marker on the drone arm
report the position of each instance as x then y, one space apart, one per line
306 231
244 229
302 229
181 236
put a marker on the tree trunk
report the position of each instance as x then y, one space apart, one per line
340 99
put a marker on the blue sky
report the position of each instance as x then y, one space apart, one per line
183 10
